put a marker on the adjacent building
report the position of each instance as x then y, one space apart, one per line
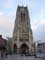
41 47
3 43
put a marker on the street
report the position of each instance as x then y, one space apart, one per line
17 57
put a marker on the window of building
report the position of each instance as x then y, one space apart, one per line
27 39
21 39
22 17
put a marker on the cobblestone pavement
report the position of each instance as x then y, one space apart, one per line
17 57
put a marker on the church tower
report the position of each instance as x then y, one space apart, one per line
22 34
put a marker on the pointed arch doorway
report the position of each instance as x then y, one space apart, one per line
15 49
24 49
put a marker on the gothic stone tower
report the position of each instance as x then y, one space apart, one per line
22 34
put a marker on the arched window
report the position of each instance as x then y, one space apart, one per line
15 48
22 17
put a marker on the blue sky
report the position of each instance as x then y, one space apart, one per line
36 10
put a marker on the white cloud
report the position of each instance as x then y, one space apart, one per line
7 4
6 23
1 13
38 27
36 22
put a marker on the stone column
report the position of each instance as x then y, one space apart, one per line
18 41
30 42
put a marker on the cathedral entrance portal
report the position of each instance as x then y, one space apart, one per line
24 49
15 48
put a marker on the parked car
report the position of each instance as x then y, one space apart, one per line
40 55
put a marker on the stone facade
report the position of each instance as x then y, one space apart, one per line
22 34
